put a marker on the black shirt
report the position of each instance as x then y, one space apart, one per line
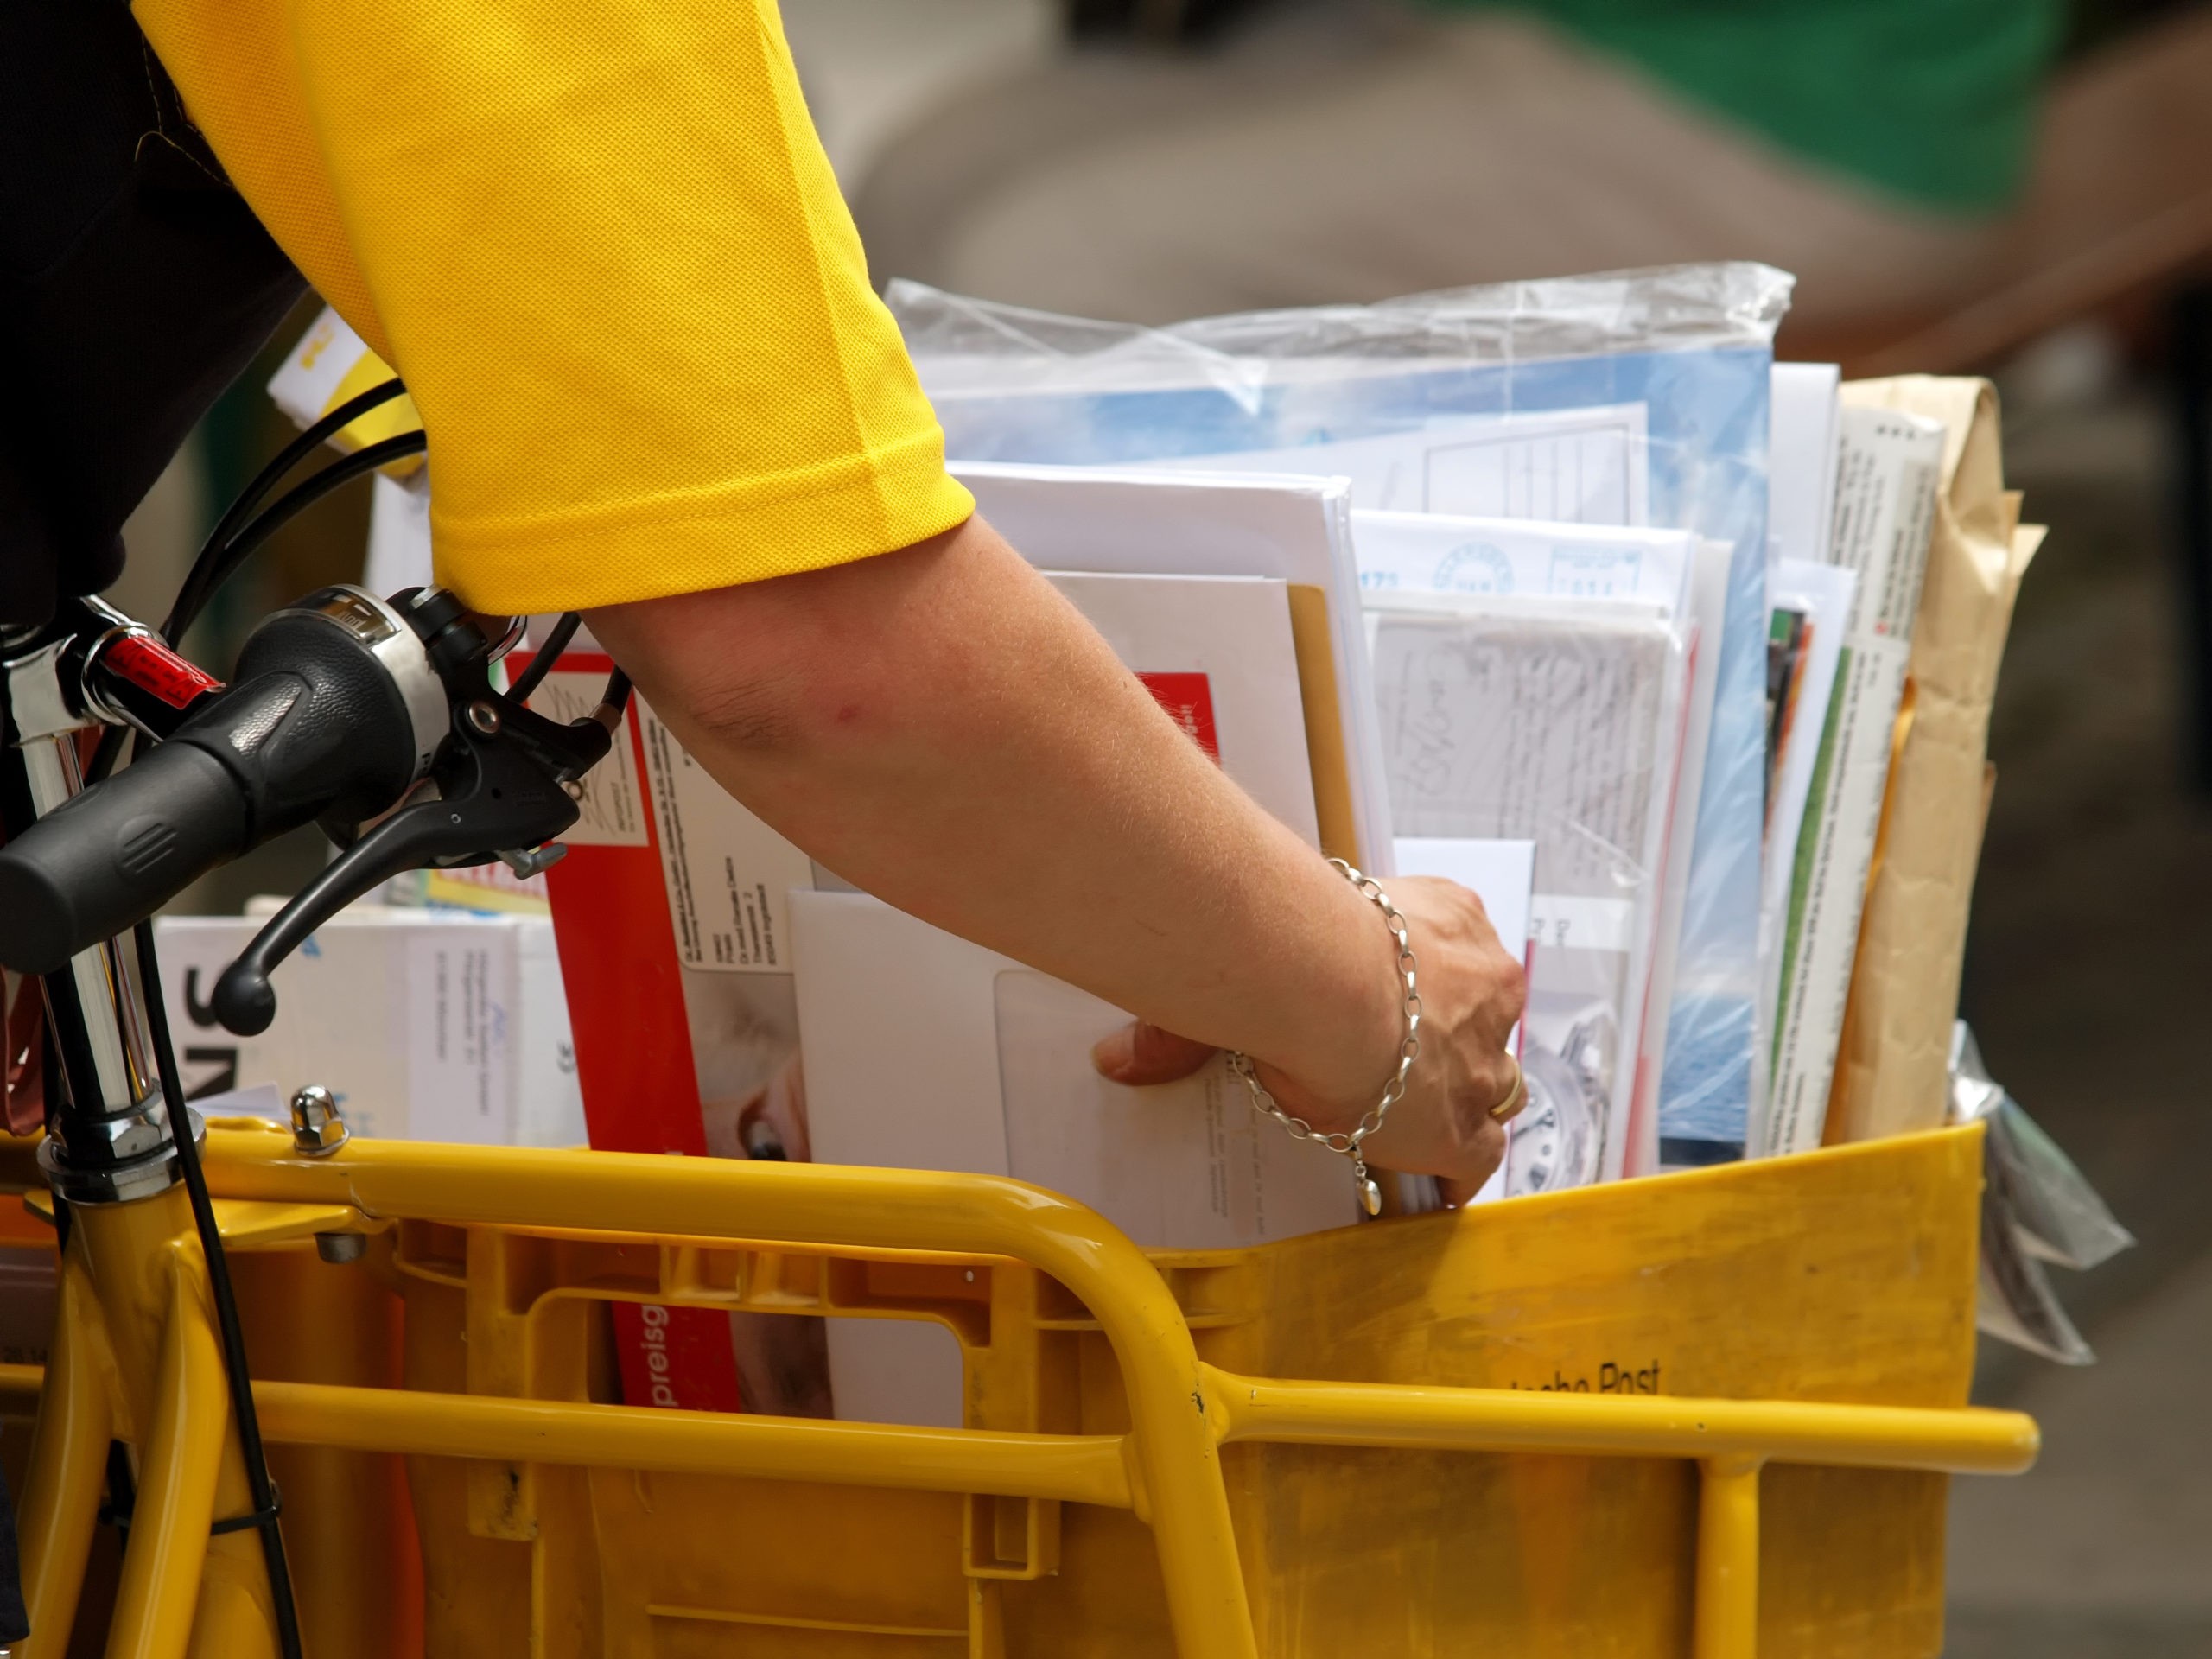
135 284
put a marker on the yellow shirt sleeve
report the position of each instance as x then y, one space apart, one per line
601 242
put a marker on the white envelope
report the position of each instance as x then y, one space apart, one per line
1181 1166
899 1033
925 1052
1803 439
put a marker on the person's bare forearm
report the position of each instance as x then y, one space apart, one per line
941 727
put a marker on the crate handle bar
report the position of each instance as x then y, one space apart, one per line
1073 1468
1953 1440
1089 1468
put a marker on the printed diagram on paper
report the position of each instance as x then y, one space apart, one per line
1554 726
1573 466
1421 553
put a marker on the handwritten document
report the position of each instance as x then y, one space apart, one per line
1559 724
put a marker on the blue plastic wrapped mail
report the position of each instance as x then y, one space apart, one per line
1626 397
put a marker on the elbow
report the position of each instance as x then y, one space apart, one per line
813 662
747 675
758 710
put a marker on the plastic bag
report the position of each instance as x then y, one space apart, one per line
1642 395
2036 1207
2056 1212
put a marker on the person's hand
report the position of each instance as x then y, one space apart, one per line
1472 992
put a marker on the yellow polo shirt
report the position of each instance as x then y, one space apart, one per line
600 241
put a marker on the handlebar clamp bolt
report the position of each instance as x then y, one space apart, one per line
317 1129
483 718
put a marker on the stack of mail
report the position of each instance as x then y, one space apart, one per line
1620 400
1235 601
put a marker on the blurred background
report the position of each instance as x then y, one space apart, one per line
2021 188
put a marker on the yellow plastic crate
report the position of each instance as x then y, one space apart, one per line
1615 1325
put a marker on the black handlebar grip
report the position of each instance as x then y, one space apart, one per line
100 863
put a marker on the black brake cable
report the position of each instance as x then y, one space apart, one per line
616 697
192 594
541 663
262 1491
217 562
210 566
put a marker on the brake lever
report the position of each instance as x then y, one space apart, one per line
502 792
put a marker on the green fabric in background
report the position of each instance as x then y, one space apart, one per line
1930 101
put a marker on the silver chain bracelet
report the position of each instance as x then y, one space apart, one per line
1348 1144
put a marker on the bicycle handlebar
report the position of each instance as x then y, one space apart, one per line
319 721
99 864
346 707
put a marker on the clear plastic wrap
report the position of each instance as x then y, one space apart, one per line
1672 366
2058 1213
2036 1207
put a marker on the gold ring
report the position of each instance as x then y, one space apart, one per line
1516 1097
